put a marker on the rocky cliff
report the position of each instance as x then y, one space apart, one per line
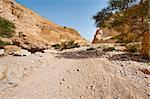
34 31
104 36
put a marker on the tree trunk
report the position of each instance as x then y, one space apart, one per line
146 38
146 45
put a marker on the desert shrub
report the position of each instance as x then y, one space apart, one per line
69 45
2 43
132 47
90 49
107 49
56 46
7 28
127 37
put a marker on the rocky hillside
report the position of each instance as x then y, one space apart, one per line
34 31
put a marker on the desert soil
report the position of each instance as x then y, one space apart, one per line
76 74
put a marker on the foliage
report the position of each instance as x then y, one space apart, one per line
7 28
132 48
2 43
127 38
130 17
68 45
120 5
56 46
101 16
107 49
90 49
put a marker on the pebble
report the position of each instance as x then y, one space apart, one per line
1 51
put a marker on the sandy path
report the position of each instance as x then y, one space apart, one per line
87 78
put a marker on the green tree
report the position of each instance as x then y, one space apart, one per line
7 28
129 16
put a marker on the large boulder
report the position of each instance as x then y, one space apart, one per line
30 42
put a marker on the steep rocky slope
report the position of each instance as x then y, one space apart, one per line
33 30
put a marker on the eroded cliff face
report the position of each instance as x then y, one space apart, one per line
104 36
33 29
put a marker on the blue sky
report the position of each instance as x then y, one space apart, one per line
71 13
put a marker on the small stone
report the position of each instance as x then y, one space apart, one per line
10 83
122 65
22 53
117 97
1 51
40 54
148 84
78 70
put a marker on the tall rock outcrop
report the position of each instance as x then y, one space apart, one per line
98 36
34 31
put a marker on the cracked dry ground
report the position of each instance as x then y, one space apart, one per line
78 78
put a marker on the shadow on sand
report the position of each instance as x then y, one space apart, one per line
129 56
81 54
101 54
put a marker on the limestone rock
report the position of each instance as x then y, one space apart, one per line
104 36
35 29
26 41
1 51
11 49
22 53
98 36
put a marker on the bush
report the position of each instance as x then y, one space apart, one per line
127 38
2 43
132 47
69 45
66 45
6 28
56 46
90 49
109 49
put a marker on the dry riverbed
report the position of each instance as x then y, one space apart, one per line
75 74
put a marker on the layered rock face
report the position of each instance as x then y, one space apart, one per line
32 30
104 36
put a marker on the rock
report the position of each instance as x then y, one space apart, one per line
29 42
1 51
34 32
11 49
40 54
97 36
22 53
